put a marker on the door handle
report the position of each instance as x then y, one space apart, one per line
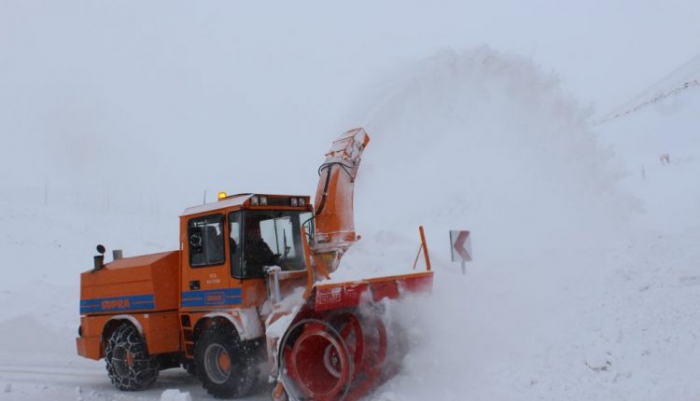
194 285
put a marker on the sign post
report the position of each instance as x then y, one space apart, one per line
461 247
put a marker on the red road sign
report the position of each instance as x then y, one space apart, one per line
461 246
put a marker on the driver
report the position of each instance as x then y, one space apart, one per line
257 252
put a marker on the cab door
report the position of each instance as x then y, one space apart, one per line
205 271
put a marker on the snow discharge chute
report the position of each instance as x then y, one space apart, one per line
335 220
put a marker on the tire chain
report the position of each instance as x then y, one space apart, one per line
142 373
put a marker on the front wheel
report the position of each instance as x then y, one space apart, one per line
224 366
129 366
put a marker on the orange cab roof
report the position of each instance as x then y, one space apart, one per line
233 200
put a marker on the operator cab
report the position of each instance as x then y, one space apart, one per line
260 238
246 233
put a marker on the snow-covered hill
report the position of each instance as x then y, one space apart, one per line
685 78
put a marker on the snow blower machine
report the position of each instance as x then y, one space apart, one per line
250 284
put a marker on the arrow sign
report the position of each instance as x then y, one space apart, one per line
461 246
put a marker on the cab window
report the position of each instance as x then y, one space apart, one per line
272 238
205 237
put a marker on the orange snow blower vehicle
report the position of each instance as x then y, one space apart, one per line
250 284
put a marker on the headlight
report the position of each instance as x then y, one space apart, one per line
302 202
263 200
294 202
255 201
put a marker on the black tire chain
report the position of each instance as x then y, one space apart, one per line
143 372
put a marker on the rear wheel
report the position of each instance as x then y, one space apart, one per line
225 367
129 366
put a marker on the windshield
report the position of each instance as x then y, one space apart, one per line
273 238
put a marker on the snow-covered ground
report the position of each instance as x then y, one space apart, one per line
585 223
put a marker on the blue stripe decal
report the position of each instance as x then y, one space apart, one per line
117 304
220 297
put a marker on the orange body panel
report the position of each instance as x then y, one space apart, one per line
161 331
143 283
349 293
142 290
90 347
254 293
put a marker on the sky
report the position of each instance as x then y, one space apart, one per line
155 103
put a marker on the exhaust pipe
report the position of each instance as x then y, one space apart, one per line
99 259
99 262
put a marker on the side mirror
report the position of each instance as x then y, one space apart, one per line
195 238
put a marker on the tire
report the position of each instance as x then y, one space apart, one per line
128 364
224 365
